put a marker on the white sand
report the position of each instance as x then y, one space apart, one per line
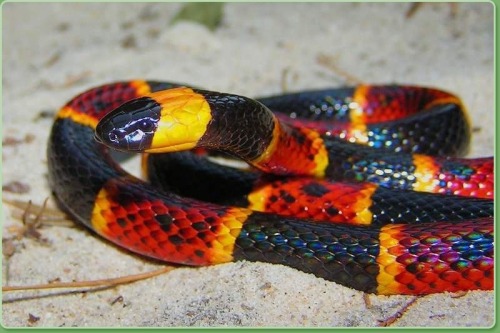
52 52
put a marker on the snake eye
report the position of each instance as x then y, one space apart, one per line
146 125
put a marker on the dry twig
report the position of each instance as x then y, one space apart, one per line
92 283
329 62
389 321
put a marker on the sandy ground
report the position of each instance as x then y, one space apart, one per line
52 52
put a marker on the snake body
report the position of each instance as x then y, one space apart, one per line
452 251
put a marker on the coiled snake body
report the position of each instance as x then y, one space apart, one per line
434 242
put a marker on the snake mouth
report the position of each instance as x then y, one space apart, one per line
172 148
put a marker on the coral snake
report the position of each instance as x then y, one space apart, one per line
391 237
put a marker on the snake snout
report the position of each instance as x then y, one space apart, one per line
109 134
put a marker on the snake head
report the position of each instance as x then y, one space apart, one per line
131 126
164 121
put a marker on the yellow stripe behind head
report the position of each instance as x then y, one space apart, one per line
184 119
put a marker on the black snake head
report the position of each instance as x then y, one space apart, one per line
131 126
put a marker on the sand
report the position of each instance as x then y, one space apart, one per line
51 52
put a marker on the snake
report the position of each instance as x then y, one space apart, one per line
397 211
